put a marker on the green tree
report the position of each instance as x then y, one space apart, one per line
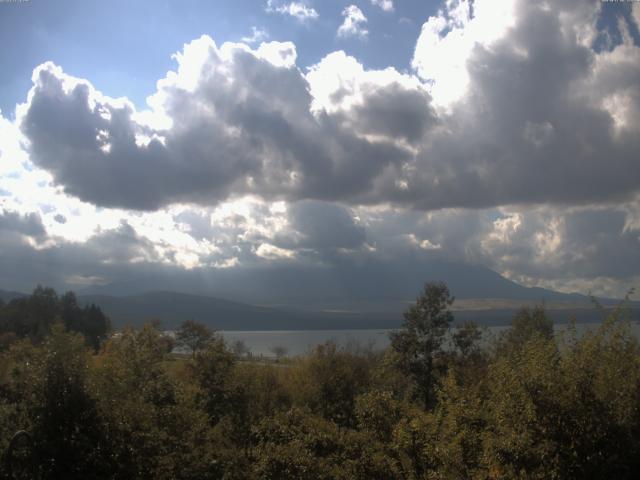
33 317
67 429
460 422
329 380
420 339
212 370
466 338
90 321
193 335
527 324
135 396
378 413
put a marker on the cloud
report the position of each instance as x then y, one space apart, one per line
353 23
320 229
386 5
298 10
230 121
541 118
257 35
447 41
376 104
29 224
242 162
590 248
579 249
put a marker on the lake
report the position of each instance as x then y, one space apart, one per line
299 342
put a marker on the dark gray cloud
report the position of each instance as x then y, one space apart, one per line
584 243
121 261
110 255
392 112
321 226
29 224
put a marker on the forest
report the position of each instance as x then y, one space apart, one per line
441 402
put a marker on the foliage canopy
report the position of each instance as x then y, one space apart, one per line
530 405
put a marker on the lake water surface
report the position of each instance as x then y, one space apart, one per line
299 342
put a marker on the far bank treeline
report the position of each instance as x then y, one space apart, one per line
439 403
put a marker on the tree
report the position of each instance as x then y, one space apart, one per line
193 335
212 370
466 338
422 334
526 325
90 321
68 432
329 380
279 351
240 349
35 315
137 400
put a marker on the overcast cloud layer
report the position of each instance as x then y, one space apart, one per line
513 142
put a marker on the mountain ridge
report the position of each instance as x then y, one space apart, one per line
327 299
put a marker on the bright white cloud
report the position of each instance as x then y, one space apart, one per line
298 10
377 105
339 82
353 24
447 41
279 54
271 252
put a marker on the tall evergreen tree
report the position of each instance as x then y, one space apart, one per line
422 334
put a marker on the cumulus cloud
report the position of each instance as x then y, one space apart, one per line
447 41
234 121
353 24
538 122
321 231
381 104
579 249
541 118
28 224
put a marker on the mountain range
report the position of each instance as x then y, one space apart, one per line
482 295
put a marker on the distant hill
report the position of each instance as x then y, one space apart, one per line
373 282
172 308
7 296
373 295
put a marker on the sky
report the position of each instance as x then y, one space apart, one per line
184 142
